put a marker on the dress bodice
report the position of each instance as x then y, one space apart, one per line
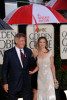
45 62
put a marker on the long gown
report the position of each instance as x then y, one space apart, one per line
46 90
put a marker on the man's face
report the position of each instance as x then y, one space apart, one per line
20 43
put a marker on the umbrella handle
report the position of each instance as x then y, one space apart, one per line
36 23
34 31
34 35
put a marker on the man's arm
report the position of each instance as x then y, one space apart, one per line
4 72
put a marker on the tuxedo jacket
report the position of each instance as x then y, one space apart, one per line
13 69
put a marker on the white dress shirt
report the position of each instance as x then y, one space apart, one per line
19 55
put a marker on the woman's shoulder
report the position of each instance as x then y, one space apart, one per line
51 53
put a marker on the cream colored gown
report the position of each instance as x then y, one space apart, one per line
46 89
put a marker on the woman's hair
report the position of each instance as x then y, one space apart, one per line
46 43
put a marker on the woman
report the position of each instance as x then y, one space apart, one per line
46 71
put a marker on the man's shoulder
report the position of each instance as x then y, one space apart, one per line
27 49
9 50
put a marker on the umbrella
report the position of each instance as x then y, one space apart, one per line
34 14
4 25
57 4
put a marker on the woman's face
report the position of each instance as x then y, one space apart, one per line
42 43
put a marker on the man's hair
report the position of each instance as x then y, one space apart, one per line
18 36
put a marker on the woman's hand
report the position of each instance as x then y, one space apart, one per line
56 84
35 53
55 81
31 72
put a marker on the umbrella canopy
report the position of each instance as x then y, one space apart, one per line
34 13
4 25
57 4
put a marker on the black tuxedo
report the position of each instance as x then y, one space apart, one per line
19 78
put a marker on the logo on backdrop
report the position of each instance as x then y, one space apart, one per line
43 30
63 41
6 42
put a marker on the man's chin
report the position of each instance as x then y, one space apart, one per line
22 46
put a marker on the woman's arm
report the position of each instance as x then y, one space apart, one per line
35 70
35 53
53 68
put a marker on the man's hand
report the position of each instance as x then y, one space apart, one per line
5 86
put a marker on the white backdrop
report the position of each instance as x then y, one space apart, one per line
63 41
46 30
6 42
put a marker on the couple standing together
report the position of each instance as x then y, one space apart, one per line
17 62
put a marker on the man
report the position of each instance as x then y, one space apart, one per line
16 62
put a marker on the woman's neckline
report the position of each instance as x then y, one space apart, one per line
44 57
46 51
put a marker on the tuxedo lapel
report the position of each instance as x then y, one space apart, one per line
25 56
24 52
16 57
